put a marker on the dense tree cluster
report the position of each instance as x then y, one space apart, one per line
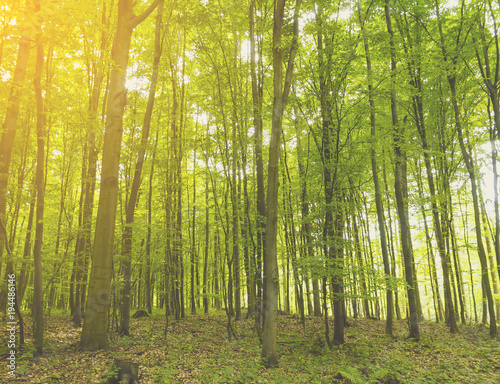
325 158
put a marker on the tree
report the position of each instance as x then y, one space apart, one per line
378 194
399 181
134 192
38 326
95 326
451 60
281 91
257 96
9 128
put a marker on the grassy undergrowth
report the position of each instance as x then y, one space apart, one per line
197 350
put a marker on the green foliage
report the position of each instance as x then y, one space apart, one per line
165 375
348 374
111 373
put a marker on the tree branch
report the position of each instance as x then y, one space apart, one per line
293 51
139 19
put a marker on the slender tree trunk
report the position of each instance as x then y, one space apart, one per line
207 239
9 127
477 216
332 231
134 192
38 326
494 161
247 235
8 133
235 230
306 236
456 263
11 278
378 195
292 245
257 96
430 254
149 289
193 240
359 258
25 269
281 91
491 78
445 261
399 179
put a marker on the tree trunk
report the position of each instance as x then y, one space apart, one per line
333 224
306 236
25 269
246 233
149 288
38 326
193 238
9 127
257 95
8 132
399 179
378 195
291 246
136 183
94 334
11 278
281 91
477 216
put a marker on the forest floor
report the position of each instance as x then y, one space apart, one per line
197 350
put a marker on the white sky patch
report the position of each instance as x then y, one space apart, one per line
136 83
450 4
305 18
200 116
245 51
486 170
346 13
6 76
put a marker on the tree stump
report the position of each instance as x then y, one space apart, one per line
140 313
128 372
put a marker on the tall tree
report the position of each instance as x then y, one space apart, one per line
134 192
413 47
257 97
376 182
490 73
38 326
281 91
95 326
9 129
399 180
451 60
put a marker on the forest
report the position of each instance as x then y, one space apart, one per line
249 191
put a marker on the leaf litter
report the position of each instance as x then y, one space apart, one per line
197 350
